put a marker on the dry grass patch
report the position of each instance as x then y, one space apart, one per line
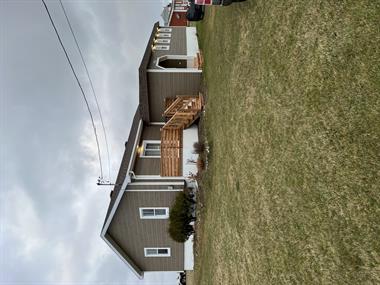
293 120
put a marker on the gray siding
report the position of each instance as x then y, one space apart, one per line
143 165
167 84
151 132
123 254
147 166
177 46
132 234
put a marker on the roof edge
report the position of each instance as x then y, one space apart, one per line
171 12
143 79
104 233
123 256
127 179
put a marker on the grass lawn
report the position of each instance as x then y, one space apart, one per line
292 191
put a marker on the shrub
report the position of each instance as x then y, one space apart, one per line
200 164
180 217
199 147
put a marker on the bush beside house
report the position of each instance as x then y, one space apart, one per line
180 217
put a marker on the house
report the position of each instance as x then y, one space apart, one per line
174 14
155 165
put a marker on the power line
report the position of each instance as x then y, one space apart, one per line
80 86
92 87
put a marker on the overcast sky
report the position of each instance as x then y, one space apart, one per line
51 209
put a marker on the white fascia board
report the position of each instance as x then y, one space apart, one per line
189 253
192 47
159 183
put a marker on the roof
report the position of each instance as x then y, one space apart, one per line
121 183
143 79
165 15
128 152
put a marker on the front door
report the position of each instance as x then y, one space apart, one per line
173 63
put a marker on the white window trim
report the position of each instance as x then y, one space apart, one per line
175 70
161 47
145 142
164 35
162 41
165 30
157 177
160 217
157 123
156 255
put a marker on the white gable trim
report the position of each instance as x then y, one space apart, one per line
118 199
140 276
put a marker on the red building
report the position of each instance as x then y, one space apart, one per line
174 14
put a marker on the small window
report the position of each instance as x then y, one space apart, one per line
154 213
157 252
164 35
165 30
161 47
162 41
151 149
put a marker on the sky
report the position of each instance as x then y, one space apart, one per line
51 209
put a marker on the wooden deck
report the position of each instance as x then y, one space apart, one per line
180 112
183 111
171 152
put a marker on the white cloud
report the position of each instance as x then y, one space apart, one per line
53 211
23 224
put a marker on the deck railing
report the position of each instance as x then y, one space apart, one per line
181 112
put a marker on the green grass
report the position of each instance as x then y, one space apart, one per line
292 190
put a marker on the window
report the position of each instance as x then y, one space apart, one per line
151 149
164 35
162 41
154 213
165 30
157 251
161 47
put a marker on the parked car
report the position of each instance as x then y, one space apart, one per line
195 12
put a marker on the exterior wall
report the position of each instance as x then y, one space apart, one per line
177 46
132 234
144 165
178 19
169 84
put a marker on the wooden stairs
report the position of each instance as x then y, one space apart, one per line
183 111
180 113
